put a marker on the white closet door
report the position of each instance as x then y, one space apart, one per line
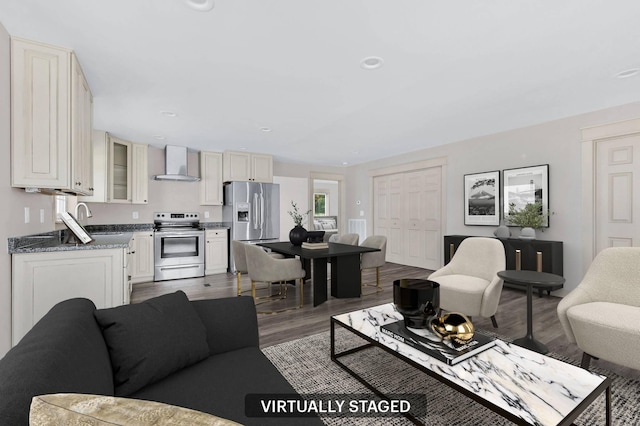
407 209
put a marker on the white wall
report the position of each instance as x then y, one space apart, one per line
14 200
556 143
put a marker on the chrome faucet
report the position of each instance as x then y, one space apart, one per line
88 215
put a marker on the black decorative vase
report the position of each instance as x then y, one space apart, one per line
298 235
417 300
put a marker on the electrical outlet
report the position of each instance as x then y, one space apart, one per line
206 214
135 215
41 215
26 215
361 212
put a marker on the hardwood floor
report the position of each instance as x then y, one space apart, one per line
297 323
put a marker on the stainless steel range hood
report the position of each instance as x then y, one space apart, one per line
175 161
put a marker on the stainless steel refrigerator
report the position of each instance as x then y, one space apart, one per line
253 211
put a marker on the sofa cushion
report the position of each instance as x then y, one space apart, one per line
76 409
218 385
152 339
231 322
63 352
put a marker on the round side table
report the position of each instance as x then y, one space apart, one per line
531 280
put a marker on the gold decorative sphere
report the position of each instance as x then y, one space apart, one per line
454 326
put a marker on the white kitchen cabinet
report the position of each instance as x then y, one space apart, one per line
41 280
216 251
51 119
141 269
210 179
120 170
139 173
247 166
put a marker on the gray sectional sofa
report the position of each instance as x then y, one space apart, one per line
202 355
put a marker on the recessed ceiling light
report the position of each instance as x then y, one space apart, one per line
168 113
628 73
159 137
200 5
265 129
345 163
371 63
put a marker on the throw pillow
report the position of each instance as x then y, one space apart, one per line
150 340
76 409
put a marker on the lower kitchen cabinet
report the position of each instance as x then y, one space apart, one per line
216 251
142 257
41 280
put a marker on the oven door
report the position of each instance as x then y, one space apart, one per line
178 254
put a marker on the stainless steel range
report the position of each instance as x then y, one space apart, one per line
179 246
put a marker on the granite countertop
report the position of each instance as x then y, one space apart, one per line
54 241
105 237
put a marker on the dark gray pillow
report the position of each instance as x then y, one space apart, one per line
150 340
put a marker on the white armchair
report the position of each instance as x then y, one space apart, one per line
469 282
602 314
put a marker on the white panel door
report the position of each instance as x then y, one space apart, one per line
407 209
433 219
414 201
617 192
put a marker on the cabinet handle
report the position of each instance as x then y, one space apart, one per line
133 252
539 261
518 260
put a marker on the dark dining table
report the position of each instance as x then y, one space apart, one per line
345 267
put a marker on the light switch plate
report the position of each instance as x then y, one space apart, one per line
135 215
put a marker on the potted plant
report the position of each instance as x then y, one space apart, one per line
298 234
530 218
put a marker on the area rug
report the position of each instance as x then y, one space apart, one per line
307 365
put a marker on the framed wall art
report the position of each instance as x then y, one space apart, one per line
527 185
320 204
482 198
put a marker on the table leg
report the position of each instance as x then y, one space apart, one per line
319 271
529 341
345 276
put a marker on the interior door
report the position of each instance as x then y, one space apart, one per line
617 199
387 218
407 209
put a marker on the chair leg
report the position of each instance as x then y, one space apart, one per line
377 286
253 289
586 360
239 278
494 322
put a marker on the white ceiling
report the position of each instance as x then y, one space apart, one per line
452 69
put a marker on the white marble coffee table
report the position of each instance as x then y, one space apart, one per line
523 386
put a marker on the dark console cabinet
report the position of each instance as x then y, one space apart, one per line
530 255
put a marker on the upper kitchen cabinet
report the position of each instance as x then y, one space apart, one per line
120 170
51 119
247 166
210 178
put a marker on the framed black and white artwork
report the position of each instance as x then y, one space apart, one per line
526 185
482 199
